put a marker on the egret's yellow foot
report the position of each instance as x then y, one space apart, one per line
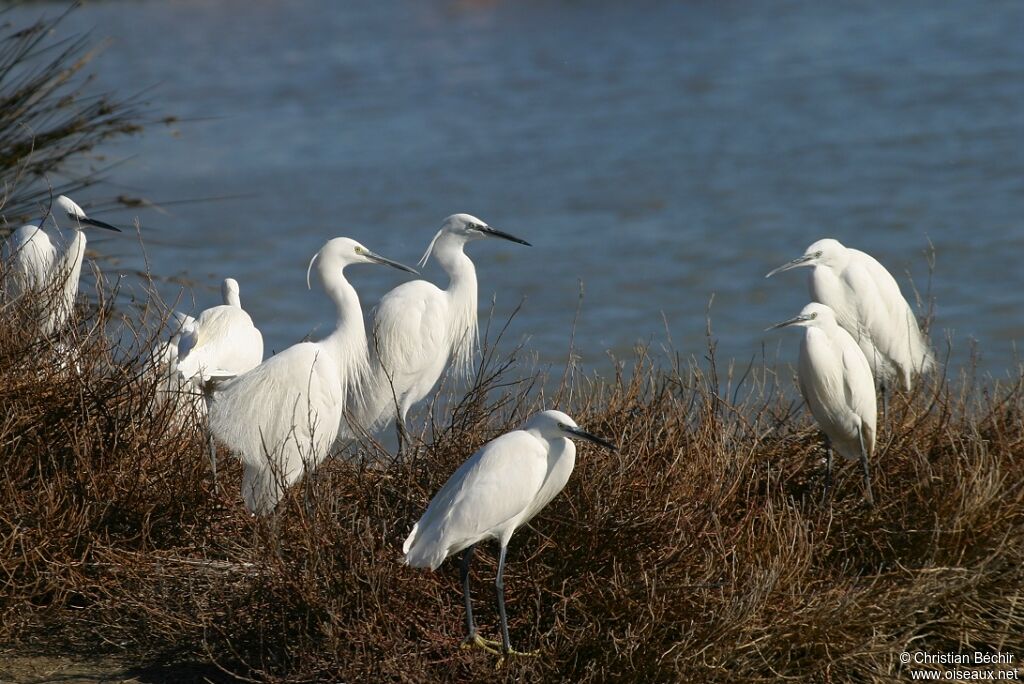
513 652
478 641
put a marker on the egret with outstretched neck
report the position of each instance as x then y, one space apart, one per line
869 305
498 489
282 416
418 328
836 382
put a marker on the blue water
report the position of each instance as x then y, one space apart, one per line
658 152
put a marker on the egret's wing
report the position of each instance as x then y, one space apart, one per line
859 388
31 256
496 484
410 330
902 341
225 339
284 413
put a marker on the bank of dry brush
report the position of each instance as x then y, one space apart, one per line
700 552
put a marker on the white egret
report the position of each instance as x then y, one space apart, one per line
836 381
499 488
282 416
36 265
418 327
868 303
222 342
171 386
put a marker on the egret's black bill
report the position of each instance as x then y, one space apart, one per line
98 224
583 434
792 321
799 261
373 256
494 232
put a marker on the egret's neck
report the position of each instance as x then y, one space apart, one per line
462 300
231 298
461 273
347 344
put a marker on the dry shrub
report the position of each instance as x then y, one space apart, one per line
700 552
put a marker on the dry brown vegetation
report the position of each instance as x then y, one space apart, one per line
701 552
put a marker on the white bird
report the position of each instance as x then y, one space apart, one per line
39 270
868 303
222 342
283 415
498 489
171 388
418 327
836 381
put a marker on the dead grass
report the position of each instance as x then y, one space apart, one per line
700 552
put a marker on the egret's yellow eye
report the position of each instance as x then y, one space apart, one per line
359 250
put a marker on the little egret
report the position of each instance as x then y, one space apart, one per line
498 489
220 344
418 327
835 380
223 342
36 265
868 303
282 416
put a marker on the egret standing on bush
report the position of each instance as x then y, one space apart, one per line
220 344
283 416
418 327
835 380
39 270
498 489
868 303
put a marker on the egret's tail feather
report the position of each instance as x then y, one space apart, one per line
423 553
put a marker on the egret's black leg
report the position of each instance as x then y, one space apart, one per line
467 558
867 471
885 403
499 586
473 639
828 470
213 459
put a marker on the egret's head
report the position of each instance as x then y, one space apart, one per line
551 424
462 228
229 291
827 252
78 217
814 315
342 251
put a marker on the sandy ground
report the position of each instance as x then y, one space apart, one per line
66 670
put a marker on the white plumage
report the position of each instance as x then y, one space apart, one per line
836 381
222 342
418 327
38 269
868 303
282 416
499 488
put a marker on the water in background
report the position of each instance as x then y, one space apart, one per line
657 152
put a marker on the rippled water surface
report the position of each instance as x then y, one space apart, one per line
658 152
